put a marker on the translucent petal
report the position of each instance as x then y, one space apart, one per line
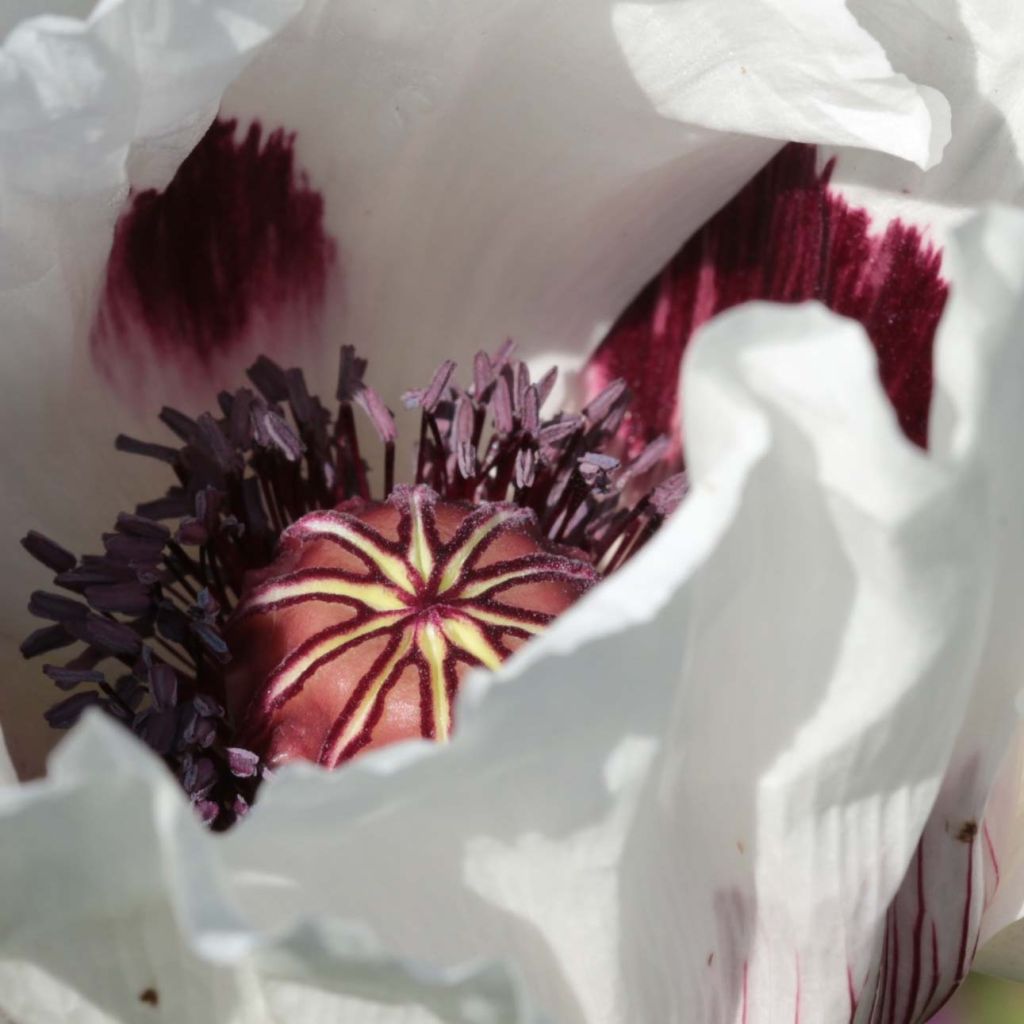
865 593
964 880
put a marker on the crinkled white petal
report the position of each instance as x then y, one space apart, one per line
76 94
970 51
840 626
122 899
799 70
966 881
980 365
517 168
654 812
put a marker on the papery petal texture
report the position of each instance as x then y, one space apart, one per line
969 50
654 812
78 94
816 682
519 169
160 933
779 48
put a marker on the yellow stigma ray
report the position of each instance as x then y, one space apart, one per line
368 702
470 638
434 648
457 562
290 672
420 554
393 567
504 620
375 596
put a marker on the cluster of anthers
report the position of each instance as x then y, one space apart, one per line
269 607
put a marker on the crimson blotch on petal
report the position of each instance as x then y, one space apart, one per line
786 237
236 239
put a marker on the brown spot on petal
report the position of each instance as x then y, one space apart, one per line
786 237
235 241
968 830
150 996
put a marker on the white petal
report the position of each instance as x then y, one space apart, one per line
502 168
862 608
965 882
981 369
77 94
78 98
120 900
971 53
682 785
837 83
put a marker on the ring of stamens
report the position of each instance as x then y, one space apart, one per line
152 618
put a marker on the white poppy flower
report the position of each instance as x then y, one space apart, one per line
697 796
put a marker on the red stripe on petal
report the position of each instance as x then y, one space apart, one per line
785 237
234 241
938 909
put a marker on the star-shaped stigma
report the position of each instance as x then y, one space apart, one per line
360 630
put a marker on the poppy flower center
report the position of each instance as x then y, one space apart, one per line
286 599
360 631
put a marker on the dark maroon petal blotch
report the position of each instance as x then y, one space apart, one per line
786 237
236 239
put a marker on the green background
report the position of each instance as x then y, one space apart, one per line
985 1001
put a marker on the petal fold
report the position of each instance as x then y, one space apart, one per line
78 94
977 420
123 900
969 51
798 70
